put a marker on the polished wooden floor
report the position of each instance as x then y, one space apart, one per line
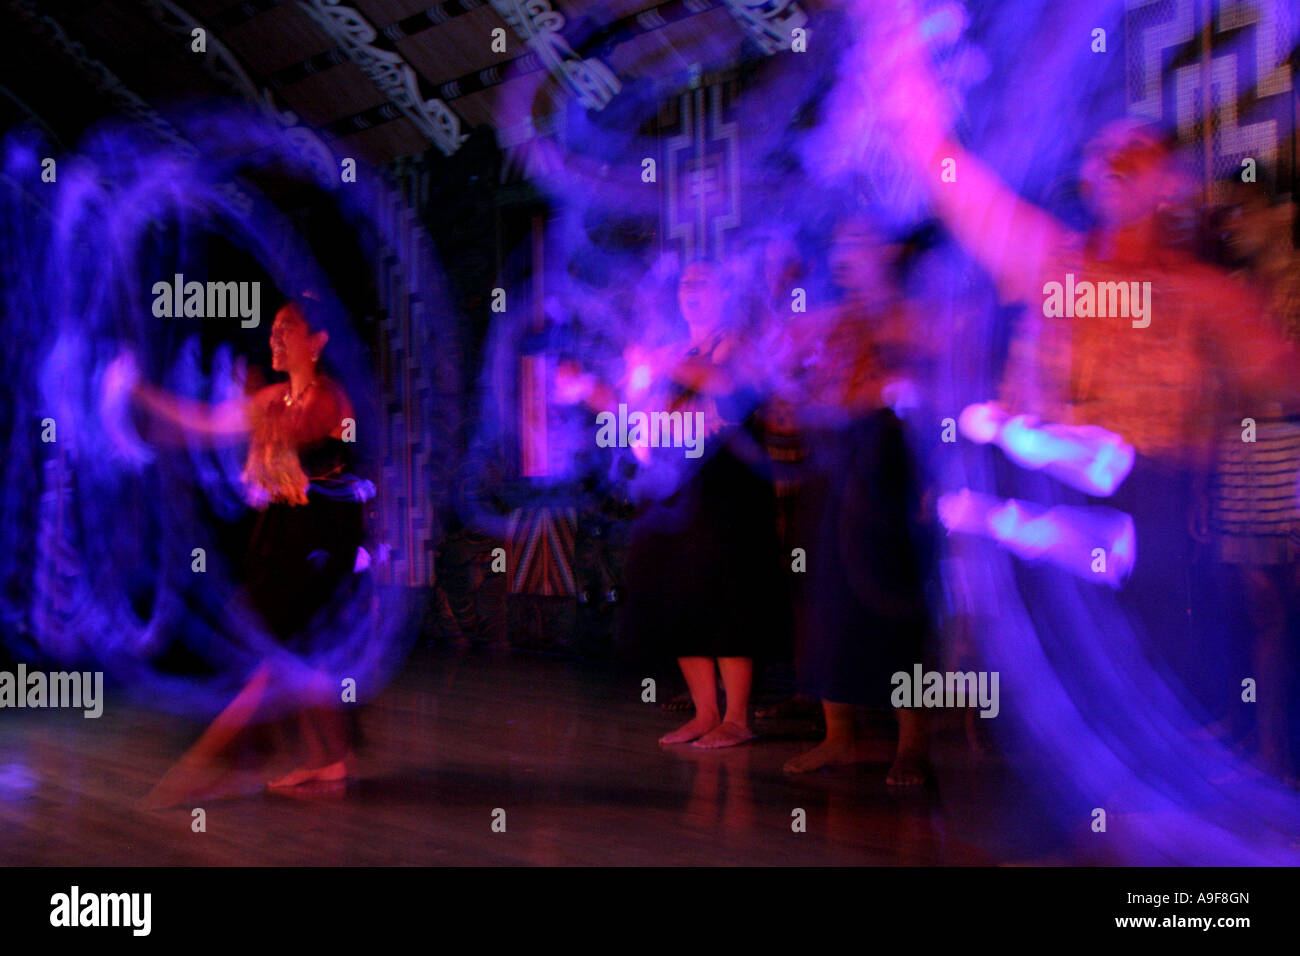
567 750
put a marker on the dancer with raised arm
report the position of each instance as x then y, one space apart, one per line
1123 328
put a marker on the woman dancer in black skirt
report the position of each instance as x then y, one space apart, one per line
863 615
303 549
702 572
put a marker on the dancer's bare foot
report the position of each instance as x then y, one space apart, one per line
186 779
295 778
911 769
726 734
161 798
828 753
693 730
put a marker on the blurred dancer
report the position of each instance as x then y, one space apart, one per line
1143 358
1254 519
864 616
304 547
702 567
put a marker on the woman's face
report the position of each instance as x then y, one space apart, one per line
292 344
859 261
699 295
1127 182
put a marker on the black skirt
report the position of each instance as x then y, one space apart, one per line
703 570
300 560
863 614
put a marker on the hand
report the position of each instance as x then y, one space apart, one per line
695 373
572 385
887 88
117 387
121 376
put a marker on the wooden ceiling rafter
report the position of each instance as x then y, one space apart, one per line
435 16
293 63
380 59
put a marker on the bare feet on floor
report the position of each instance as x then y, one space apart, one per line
727 734
911 769
828 753
693 730
294 778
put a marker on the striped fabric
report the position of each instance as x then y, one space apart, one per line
540 552
1253 509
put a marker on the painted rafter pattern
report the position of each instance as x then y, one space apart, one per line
388 70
